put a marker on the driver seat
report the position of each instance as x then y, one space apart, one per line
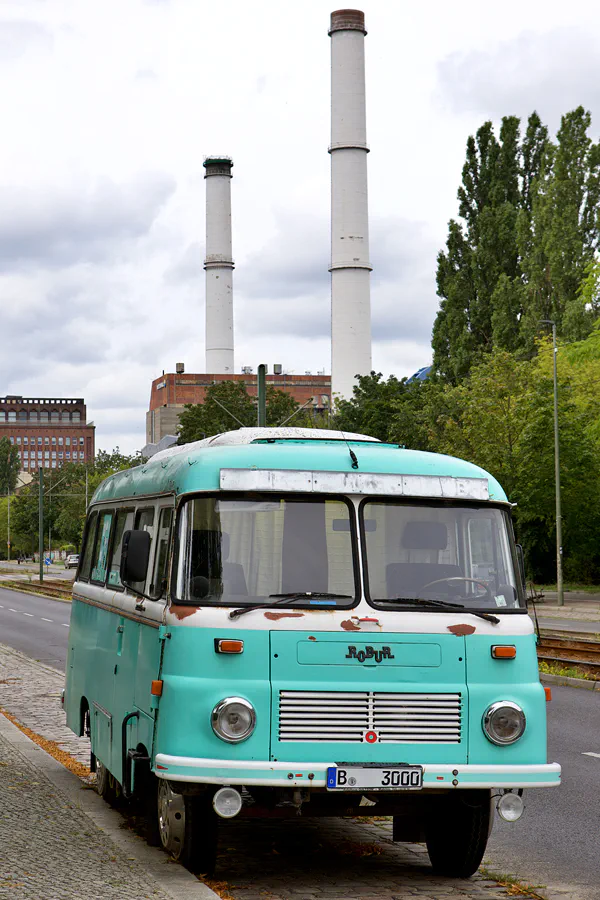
404 578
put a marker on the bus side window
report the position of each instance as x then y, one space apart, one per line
161 557
144 521
100 559
86 557
124 522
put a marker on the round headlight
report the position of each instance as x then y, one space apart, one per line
233 719
504 722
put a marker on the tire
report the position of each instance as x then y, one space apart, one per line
456 833
187 826
107 785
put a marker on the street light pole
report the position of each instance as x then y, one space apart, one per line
559 547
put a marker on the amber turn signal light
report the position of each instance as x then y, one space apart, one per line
156 688
548 693
228 646
504 651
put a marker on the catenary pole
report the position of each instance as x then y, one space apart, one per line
41 523
559 548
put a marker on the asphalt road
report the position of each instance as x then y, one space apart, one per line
36 626
554 844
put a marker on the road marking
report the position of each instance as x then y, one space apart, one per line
65 624
45 620
10 609
31 616
591 754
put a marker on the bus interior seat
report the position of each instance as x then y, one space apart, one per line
233 577
410 577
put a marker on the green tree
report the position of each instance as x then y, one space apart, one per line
9 466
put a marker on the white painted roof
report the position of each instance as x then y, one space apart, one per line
248 435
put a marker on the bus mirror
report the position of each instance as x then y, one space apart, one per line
521 559
134 556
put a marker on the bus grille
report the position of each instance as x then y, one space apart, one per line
344 717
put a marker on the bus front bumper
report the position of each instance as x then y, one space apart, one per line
286 774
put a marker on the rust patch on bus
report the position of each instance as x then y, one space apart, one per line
311 637
349 625
275 616
182 612
461 630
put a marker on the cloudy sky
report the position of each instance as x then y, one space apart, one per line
108 108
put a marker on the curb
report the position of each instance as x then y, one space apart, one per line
585 683
173 879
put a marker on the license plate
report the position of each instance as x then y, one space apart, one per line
375 778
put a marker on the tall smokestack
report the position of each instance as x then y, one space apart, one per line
350 266
219 267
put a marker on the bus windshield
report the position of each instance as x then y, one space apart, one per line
439 551
243 550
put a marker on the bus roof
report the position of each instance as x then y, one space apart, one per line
197 466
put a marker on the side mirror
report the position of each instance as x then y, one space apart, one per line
521 559
135 554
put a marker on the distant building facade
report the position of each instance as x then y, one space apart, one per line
170 393
47 433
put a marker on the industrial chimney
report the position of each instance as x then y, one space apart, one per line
219 267
350 266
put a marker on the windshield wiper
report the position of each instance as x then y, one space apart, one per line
441 604
291 595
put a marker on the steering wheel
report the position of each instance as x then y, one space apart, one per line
459 578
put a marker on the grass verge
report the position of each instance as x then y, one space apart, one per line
564 671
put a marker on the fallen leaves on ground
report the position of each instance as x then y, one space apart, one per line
51 747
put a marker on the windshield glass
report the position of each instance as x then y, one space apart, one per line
439 551
243 550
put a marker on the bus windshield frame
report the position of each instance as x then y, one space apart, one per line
187 589
425 542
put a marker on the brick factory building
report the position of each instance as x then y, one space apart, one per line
171 392
47 433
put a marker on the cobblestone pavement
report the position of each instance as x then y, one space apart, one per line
50 850
326 859
30 691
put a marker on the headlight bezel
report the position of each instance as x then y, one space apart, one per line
486 722
219 709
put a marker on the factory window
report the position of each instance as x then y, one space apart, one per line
33 416
43 416
68 441
18 440
46 454
25 454
54 454
2 416
12 416
66 417
39 440
12 440
55 416
46 440
54 440
60 455
25 440
81 442
76 417
60 441
81 454
22 415
53 463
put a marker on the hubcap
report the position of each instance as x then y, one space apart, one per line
171 819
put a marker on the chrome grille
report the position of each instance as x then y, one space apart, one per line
344 717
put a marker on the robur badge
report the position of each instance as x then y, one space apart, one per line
370 653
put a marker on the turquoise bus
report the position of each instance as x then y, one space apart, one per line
275 622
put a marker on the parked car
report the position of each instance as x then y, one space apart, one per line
72 561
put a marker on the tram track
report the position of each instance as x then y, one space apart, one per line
570 649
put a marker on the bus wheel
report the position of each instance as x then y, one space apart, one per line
107 785
188 828
456 833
